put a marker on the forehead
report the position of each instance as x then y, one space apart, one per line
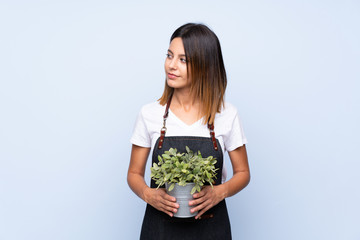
177 46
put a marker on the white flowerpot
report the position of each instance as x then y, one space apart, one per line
183 196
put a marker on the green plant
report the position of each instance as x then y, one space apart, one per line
183 168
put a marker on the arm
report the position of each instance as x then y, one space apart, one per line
241 172
155 197
209 197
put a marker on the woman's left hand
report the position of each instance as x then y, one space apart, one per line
206 199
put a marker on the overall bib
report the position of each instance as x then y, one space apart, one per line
214 224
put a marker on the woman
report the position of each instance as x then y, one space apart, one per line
191 112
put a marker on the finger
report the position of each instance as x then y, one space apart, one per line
162 208
204 205
169 198
163 194
198 207
168 203
165 208
200 197
169 208
201 212
197 201
167 212
200 194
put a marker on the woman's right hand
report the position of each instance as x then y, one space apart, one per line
159 199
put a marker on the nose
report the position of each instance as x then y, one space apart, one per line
172 63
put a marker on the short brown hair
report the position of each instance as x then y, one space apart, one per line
207 70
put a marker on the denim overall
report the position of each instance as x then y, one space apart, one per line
214 224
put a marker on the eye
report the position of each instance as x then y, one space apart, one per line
168 56
183 60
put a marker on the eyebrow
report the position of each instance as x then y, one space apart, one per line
181 55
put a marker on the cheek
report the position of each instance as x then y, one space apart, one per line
184 70
187 73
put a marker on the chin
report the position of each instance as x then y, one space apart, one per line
171 83
176 84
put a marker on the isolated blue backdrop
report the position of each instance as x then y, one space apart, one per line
74 74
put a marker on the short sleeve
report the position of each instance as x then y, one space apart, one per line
140 136
236 136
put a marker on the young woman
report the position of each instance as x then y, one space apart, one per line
191 112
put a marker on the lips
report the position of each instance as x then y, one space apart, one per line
172 76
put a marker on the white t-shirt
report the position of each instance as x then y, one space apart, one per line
227 126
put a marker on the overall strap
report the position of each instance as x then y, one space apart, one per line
212 135
163 129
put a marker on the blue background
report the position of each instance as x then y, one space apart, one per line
74 74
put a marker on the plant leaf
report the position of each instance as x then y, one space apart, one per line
189 177
155 166
166 156
172 151
167 177
182 183
193 190
171 187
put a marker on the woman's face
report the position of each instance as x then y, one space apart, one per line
175 65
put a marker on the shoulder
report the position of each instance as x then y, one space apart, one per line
229 108
228 112
152 110
229 127
150 107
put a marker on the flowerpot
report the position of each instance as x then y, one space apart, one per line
183 196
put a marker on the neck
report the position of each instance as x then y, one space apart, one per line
185 100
